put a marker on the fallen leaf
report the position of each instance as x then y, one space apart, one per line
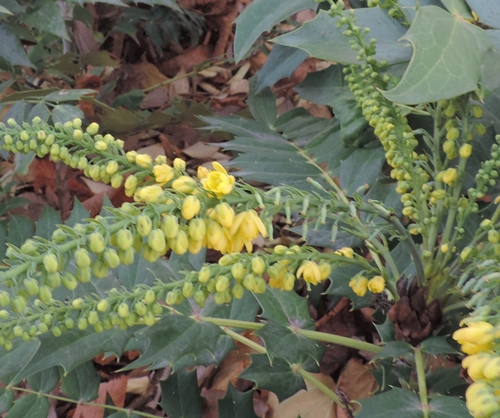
356 381
200 150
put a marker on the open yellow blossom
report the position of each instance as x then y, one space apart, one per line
450 176
202 172
150 193
163 173
376 284
310 271
245 228
218 181
143 160
359 285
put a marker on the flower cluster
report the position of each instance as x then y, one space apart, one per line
483 367
360 285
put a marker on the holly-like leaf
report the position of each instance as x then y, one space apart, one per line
262 104
285 308
260 16
438 345
393 403
77 213
458 8
281 63
487 11
322 39
19 230
448 407
64 113
72 348
447 58
41 110
22 162
68 95
362 167
31 405
322 86
236 404
278 378
46 17
22 353
180 397
282 342
11 49
446 381
394 349
82 383
6 400
180 341
47 223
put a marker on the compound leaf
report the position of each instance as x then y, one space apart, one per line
180 397
236 404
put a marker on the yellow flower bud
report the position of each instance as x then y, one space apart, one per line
143 160
150 194
157 242
465 253
93 128
116 181
163 173
258 265
130 185
101 146
180 243
310 272
144 225
376 284
197 229
190 207
179 164
450 176
477 111
170 226
51 263
184 184
204 274
465 150
346 252
131 156
224 215
359 285
452 134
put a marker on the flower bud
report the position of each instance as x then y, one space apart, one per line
199 298
465 150
170 226
144 225
224 215
103 305
258 265
143 160
116 181
249 282
83 274
450 176
187 289
197 229
179 164
123 310
82 258
493 236
149 254
96 242
376 284
126 256
4 298
111 167
100 269
82 324
93 128
140 309
203 275
156 240
184 184
93 318
180 243
44 294
260 286
190 207
130 185
51 263
151 194
238 271
111 258
29 247
69 281
150 297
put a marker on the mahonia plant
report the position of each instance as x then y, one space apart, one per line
175 212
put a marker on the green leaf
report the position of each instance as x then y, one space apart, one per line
19 230
458 8
4 10
362 167
77 213
180 397
281 63
13 361
322 39
445 380
167 3
12 5
386 330
438 345
45 381
260 16
82 383
47 223
282 342
448 407
394 349
120 120
285 308
323 86
68 95
447 58
487 11
46 17
139 272
262 105
236 404
3 241
131 100
11 48
32 406
178 340
278 378
72 348
22 162
393 403
6 400
65 113
28 94
41 110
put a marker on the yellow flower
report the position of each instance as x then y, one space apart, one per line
465 150
376 284
478 333
346 252
218 181
310 272
184 184
245 228
359 285
150 193
179 164
224 214
203 172
130 185
163 173
450 176
190 207
143 160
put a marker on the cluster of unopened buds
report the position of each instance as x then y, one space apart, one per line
482 363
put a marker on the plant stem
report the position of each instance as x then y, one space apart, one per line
244 340
313 335
297 368
422 386
97 405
